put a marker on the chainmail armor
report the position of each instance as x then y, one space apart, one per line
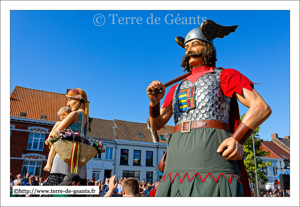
210 102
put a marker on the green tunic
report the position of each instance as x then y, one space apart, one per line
195 169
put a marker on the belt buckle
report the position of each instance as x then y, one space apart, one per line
189 126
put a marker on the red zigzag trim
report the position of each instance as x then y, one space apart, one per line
216 180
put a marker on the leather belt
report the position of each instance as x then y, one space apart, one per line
186 126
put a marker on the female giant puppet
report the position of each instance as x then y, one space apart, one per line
205 152
77 121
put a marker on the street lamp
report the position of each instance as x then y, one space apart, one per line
256 178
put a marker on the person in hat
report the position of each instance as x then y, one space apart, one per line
72 179
77 121
206 149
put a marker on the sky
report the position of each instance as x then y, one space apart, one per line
114 63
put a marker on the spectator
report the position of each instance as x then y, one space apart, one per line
41 183
147 191
97 183
118 190
12 179
102 191
150 186
31 182
141 190
270 193
112 185
36 180
45 180
152 192
93 181
19 183
87 181
72 179
19 177
130 188
26 179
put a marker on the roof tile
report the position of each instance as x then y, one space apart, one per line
36 103
275 150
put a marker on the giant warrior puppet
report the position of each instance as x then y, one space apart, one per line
205 153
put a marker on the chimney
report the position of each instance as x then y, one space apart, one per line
274 136
287 137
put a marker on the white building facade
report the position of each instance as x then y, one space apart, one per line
125 158
271 172
102 166
139 160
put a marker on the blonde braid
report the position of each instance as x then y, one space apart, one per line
87 113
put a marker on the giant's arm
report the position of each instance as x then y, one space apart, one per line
71 118
257 113
165 115
258 110
158 116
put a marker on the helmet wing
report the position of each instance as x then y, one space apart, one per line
212 30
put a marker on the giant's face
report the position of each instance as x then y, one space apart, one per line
63 115
195 46
73 103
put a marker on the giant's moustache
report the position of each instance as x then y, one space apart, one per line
187 56
190 54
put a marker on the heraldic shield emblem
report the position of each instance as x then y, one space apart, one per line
186 99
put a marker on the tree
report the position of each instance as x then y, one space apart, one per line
249 158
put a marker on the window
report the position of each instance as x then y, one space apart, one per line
149 177
98 156
108 153
268 171
275 171
149 158
141 135
36 141
132 174
32 167
124 157
162 137
137 157
12 127
96 174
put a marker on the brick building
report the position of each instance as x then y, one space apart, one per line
32 117
33 113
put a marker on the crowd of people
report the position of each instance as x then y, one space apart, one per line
27 180
144 189
272 193
110 187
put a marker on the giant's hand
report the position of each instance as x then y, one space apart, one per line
47 141
155 98
234 149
